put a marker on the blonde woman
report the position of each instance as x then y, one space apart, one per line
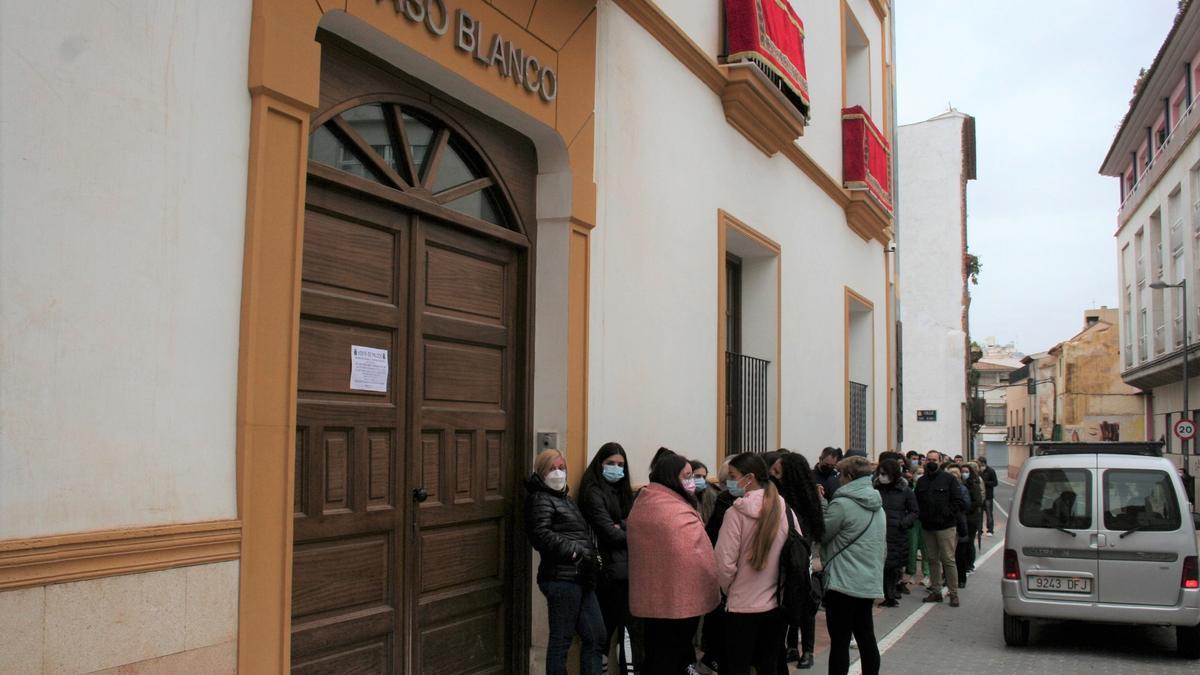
568 569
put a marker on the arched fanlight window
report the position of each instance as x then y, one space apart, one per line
406 149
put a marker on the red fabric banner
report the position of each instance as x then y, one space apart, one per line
771 35
866 155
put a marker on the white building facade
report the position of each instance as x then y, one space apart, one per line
1156 159
937 158
575 218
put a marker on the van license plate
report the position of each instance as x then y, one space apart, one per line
1038 582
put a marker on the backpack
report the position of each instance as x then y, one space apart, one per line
795 590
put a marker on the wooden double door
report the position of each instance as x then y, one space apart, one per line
406 554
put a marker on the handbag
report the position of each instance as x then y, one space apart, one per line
819 582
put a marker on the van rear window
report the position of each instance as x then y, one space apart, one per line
1057 498
1142 500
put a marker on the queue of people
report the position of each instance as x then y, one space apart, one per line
689 568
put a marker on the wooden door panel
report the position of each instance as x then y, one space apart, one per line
368 659
350 533
464 284
458 373
466 295
349 257
341 574
469 644
325 350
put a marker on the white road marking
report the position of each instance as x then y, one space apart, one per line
1000 509
898 633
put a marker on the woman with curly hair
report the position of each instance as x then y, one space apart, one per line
799 489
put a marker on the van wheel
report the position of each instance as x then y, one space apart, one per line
1016 631
1187 641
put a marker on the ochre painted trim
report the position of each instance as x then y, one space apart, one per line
105 553
881 8
757 109
267 379
866 218
578 309
726 222
852 296
722 307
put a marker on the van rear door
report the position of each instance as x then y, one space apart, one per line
1141 552
1057 550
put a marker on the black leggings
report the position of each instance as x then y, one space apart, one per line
669 645
753 640
614 606
846 616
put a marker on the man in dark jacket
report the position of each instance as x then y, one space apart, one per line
940 503
826 475
990 481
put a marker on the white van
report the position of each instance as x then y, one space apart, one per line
1102 532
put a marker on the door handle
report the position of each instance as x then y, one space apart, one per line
1102 540
419 495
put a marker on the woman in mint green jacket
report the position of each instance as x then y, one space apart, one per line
853 552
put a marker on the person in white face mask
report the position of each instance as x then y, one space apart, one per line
569 568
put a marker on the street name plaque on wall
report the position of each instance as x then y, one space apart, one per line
926 415
510 61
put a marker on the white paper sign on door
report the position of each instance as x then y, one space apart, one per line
368 368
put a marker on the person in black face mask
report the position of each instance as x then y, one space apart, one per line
940 503
826 473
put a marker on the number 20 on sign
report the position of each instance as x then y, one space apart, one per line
1185 429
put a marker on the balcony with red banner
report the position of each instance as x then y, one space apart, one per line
766 94
867 173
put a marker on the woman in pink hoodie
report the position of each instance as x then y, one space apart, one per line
672 573
747 552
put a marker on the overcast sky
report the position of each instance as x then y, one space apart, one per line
1047 82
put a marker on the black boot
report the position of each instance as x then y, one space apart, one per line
806 660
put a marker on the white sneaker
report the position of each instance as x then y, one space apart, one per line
990 534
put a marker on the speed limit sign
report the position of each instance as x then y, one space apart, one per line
1185 430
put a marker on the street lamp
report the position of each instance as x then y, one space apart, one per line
1182 285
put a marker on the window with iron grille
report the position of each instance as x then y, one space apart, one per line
858 416
746 411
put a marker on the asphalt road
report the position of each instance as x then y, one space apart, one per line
925 639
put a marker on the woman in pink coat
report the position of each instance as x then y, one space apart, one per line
748 550
672 572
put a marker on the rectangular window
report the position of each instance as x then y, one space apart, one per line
858 416
1142 500
993 415
1057 498
1143 325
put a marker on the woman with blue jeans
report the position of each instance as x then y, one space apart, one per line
568 569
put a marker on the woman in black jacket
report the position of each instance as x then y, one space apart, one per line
605 497
973 479
900 506
798 486
568 568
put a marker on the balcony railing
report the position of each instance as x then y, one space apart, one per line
1142 355
866 156
746 411
1150 176
1160 344
1128 355
1177 330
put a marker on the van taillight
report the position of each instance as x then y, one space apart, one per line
1191 572
1012 570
